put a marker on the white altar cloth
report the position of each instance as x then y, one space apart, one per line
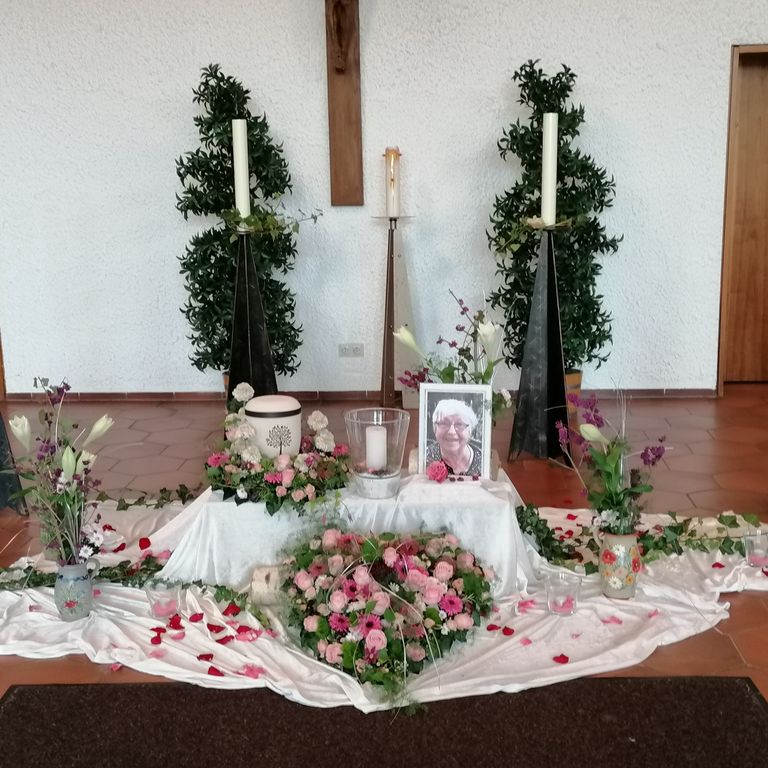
677 597
225 542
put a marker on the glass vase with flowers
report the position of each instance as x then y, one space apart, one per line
600 455
60 491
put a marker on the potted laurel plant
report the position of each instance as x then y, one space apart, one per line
60 492
613 490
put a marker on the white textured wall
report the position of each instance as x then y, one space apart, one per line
96 103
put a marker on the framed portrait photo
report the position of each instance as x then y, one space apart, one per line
455 427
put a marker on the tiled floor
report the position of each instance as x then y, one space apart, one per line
718 461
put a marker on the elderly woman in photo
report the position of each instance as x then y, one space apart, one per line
454 422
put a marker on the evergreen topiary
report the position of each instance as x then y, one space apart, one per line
208 265
583 191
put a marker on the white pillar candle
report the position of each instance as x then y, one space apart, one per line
392 174
240 162
549 170
375 447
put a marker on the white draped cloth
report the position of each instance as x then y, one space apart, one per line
677 597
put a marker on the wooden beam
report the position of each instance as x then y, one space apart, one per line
345 135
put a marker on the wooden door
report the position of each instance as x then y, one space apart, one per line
744 314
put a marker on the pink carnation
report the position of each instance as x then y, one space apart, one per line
298 495
437 471
281 491
311 623
464 621
443 571
217 459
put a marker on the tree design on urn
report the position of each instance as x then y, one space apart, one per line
278 437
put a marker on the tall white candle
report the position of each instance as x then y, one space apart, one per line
376 447
549 170
240 162
392 173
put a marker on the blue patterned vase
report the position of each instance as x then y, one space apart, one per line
73 590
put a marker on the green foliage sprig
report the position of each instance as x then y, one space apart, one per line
209 262
584 191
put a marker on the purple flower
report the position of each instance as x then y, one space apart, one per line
562 433
461 328
652 454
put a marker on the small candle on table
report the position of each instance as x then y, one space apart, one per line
392 175
549 170
240 162
375 447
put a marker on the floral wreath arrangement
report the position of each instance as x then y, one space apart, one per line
381 607
473 356
240 471
61 490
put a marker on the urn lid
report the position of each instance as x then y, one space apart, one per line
273 407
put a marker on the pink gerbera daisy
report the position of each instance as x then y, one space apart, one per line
366 622
316 569
451 604
338 622
350 588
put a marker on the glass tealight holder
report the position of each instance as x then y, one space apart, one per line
562 593
164 598
756 549
376 439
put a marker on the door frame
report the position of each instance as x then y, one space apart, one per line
729 206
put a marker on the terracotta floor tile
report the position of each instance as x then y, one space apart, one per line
179 437
741 434
752 644
681 482
111 481
704 464
743 480
681 435
737 501
147 464
747 611
118 435
145 411
666 501
166 423
192 451
154 483
134 450
704 654
723 448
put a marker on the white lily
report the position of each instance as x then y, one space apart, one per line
99 428
593 434
68 464
404 336
85 457
489 334
21 430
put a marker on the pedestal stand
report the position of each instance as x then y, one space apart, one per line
388 394
541 397
250 359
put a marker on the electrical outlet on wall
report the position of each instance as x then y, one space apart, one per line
352 349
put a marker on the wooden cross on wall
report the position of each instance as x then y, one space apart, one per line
345 135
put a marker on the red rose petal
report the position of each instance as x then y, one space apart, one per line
571 516
144 543
195 617
525 641
215 672
493 627
205 657
225 640
116 666
159 630
612 620
508 631
175 622
156 640
96 592
119 548
107 527
178 635
231 610
654 612
561 659
718 565
215 628
765 571
245 628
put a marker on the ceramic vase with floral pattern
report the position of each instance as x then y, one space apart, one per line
73 590
620 565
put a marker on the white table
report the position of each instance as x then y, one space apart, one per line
224 542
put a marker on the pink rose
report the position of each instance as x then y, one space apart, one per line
451 539
458 585
382 602
433 591
333 653
323 582
321 646
303 580
283 461
281 491
489 573
330 538
323 609
311 623
361 576
390 556
310 593
309 489
463 621
465 561
288 475
297 495
335 565
443 571
415 580
338 601
437 471
376 640
415 652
